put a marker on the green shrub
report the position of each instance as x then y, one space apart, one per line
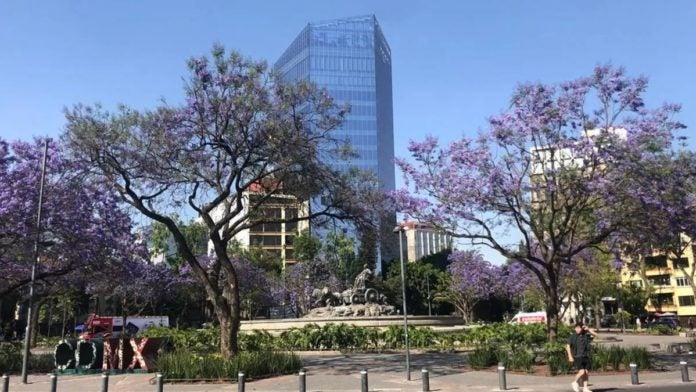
600 358
10 357
638 355
185 366
50 342
200 341
521 359
692 344
41 363
482 357
256 341
556 358
616 356
662 330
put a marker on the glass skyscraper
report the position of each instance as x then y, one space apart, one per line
351 59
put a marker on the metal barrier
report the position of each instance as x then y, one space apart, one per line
303 380
363 381
160 382
105 382
634 374
241 380
502 381
425 375
5 383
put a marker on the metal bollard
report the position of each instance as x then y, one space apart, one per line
105 382
634 374
5 383
363 380
425 375
160 382
303 381
54 383
684 371
502 382
241 379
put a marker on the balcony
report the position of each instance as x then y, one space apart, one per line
664 308
652 270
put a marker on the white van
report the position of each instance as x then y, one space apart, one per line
529 318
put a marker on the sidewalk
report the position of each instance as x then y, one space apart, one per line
337 372
387 382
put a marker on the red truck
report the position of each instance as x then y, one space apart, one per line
112 326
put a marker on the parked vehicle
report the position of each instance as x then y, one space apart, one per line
112 326
607 321
667 319
529 318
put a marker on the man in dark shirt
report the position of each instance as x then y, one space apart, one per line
579 353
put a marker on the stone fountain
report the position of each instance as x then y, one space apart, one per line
359 301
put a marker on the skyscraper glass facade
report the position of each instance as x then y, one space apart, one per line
351 59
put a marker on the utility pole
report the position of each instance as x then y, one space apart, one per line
37 240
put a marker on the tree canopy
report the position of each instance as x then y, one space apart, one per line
549 170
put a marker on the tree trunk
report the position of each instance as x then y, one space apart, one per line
596 314
228 337
552 309
35 321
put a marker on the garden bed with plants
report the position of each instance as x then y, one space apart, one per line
192 354
551 359
11 360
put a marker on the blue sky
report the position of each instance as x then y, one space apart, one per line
454 62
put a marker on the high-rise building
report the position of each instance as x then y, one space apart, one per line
423 240
351 59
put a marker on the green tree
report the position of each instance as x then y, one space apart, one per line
421 280
367 251
594 278
161 242
339 250
306 246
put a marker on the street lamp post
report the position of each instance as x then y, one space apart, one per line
399 229
37 241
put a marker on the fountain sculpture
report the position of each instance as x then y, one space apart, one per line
360 300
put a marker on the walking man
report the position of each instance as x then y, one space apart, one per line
579 353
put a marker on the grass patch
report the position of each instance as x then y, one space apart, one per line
182 365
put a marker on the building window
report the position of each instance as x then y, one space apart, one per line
663 299
660 280
637 283
656 261
265 240
681 282
289 254
681 262
686 300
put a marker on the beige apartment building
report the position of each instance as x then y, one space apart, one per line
671 291
274 238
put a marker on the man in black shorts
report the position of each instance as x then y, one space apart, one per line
579 353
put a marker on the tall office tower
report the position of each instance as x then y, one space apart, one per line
351 59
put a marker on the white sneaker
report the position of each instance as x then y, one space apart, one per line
575 386
586 389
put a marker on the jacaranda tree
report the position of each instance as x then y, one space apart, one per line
83 232
547 172
240 130
83 228
471 279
